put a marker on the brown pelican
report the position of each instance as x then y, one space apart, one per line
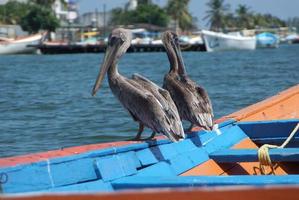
192 100
147 103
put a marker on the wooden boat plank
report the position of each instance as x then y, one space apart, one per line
251 155
146 157
197 156
197 181
181 164
165 152
113 167
269 129
160 169
184 146
28 178
227 139
72 172
87 187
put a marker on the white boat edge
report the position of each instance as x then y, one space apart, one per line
215 41
20 46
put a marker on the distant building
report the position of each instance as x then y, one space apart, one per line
59 9
95 19
132 5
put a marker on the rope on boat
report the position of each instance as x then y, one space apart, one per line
264 156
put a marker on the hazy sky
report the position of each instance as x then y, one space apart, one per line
281 8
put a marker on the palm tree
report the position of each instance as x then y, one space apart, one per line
230 21
244 17
178 10
216 14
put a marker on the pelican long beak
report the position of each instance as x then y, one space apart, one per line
109 59
178 52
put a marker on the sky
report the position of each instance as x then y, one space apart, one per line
280 8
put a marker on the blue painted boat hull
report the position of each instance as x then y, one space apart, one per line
156 164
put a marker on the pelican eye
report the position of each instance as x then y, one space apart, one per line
112 40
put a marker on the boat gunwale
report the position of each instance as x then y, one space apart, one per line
226 36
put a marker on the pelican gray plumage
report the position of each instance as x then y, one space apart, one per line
147 103
192 100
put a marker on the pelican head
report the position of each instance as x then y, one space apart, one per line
171 43
118 43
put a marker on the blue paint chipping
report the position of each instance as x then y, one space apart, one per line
155 164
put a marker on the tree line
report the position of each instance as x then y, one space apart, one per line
35 15
220 17
148 12
32 16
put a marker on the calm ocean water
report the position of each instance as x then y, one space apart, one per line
45 100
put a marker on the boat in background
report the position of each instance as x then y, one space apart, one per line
267 40
25 45
292 39
207 164
222 42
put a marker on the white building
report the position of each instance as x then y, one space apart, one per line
132 5
95 19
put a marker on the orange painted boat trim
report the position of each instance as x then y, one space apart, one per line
235 193
284 105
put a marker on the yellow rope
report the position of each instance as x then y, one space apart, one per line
264 156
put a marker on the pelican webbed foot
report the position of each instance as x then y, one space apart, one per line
151 136
140 130
191 127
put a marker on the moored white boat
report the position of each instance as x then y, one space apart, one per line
20 46
221 42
